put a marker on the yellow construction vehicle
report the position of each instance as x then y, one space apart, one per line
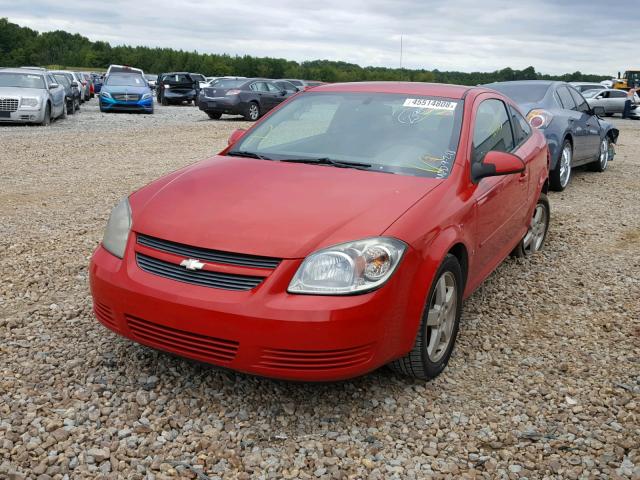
630 79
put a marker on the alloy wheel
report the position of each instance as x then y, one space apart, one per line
565 165
537 230
604 153
442 316
253 111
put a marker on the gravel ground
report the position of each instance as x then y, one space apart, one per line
544 382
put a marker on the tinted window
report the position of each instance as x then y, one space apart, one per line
521 128
259 87
522 93
289 87
617 94
582 105
225 83
566 99
272 88
492 130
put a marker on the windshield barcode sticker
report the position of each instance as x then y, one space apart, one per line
431 104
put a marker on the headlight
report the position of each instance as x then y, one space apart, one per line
352 267
105 94
31 102
146 95
118 227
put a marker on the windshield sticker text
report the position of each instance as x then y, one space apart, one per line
430 104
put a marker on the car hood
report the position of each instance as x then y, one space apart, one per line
21 92
271 208
125 89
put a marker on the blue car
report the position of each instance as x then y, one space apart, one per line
126 92
575 133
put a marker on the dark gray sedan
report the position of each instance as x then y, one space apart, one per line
575 133
249 97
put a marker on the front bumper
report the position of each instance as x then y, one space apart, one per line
22 115
110 104
263 331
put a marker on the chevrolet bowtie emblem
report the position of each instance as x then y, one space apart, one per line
192 264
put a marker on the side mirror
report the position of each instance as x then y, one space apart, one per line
236 135
496 164
597 111
283 93
53 85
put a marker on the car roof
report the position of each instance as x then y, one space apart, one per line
407 88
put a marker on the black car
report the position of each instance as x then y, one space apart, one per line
71 90
576 135
177 87
249 97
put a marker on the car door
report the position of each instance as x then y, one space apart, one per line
592 123
57 95
278 95
618 99
577 123
500 202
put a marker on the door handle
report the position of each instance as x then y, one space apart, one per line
523 176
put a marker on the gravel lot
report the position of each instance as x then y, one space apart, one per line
544 382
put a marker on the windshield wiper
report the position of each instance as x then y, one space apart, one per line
328 161
244 153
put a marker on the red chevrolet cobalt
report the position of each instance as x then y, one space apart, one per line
341 233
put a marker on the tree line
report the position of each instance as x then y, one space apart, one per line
21 46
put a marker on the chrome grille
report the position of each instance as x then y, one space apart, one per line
8 104
126 97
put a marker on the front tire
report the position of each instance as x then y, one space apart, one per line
559 177
438 329
47 116
214 115
533 240
252 112
601 164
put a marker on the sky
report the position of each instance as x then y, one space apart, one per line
555 36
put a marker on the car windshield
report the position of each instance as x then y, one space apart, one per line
391 133
62 79
125 80
21 80
522 93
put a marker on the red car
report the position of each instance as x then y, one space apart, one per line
341 233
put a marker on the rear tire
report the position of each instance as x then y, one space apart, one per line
71 108
600 165
214 115
64 112
559 177
252 113
533 240
441 318
164 101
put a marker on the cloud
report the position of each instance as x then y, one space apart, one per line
555 36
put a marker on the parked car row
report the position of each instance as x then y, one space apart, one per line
36 95
249 97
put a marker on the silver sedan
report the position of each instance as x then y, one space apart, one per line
612 101
30 96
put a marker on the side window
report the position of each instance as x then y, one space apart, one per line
254 87
521 129
617 94
566 99
582 105
492 130
259 87
272 88
50 79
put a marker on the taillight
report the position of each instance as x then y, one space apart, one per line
539 118
233 92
